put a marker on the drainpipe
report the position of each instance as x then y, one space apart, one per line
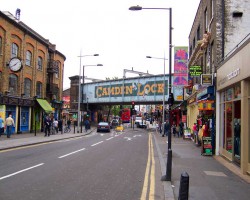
223 28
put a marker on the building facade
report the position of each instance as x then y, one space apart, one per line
31 74
218 27
233 107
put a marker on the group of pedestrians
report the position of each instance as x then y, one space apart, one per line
167 129
51 126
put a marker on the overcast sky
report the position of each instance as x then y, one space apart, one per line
121 37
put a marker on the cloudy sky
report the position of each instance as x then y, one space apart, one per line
121 37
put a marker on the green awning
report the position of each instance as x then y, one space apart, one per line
45 105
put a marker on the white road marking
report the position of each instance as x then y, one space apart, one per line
7 176
71 153
110 138
96 143
137 136
127 138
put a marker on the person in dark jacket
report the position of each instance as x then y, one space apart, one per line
166 128
47 125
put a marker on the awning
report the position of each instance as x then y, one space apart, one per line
45 105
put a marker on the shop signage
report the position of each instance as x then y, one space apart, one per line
151 88
195 71
207 146
230 76
179 98
207 79
205 105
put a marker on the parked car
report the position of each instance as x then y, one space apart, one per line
103 127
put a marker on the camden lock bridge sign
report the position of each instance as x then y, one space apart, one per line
143 90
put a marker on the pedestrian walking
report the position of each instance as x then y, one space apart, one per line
47 125
181 128
1 125
9 122
86 124
174 129
55 125
68 123
166 128
195 133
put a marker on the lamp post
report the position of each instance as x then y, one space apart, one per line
167 177
79 90
83 78
163 102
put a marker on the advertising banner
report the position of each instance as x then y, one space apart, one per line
180 66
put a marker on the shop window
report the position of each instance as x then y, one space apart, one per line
237 91
229 94
237 130
14 50
228 127
13 84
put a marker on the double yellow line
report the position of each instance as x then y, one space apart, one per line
149 180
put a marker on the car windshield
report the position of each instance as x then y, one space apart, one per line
103 123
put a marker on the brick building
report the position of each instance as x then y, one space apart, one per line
31 74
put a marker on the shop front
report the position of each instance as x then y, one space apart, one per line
20 109
233 122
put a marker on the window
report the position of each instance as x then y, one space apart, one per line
1 45
28 58
13 84
205 19
40 63
57 70
27 87
194 42
198 34
39 89
212 8
14 50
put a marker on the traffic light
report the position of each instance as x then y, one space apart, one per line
171 99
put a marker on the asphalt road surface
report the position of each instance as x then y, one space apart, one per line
99 166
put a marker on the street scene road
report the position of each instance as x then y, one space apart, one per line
115 165
97 166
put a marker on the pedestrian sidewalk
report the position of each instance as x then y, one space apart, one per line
209 176
25 139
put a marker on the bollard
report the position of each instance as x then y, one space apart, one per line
184 186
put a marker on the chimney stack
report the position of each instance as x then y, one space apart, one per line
18 11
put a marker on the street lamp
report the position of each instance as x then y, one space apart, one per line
167 177
79 90
163 102
83 78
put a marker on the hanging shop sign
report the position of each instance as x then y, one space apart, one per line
206 79
195 71
206 105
